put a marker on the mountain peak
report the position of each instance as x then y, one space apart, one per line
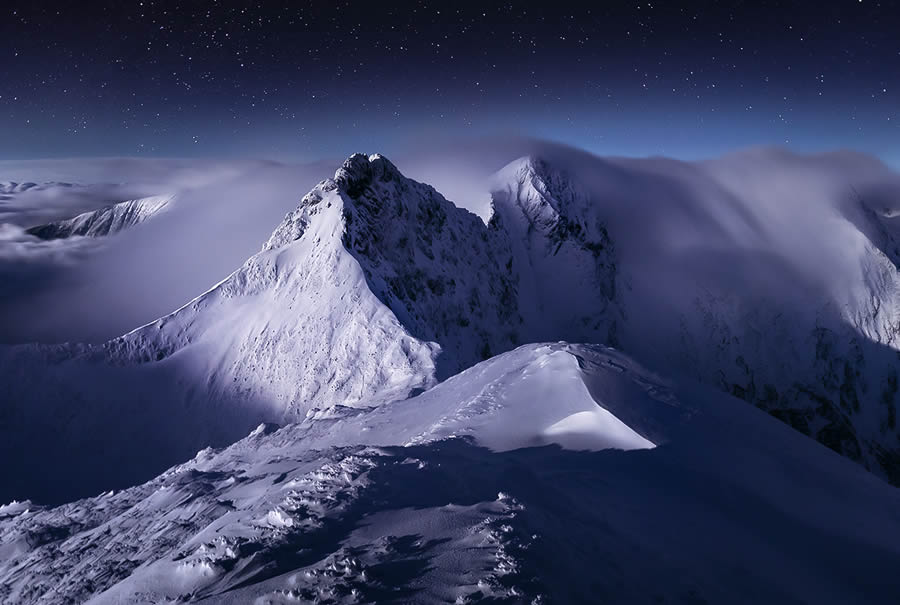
531 165
531 168
360 180
540 191
360 171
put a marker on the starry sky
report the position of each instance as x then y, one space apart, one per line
303 80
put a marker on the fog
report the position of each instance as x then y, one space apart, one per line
83 289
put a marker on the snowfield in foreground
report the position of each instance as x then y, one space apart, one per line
424 501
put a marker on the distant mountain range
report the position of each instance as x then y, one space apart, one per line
104 221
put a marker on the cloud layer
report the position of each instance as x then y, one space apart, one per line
764 217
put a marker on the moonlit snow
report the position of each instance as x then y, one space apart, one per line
104 221
433 499
387 401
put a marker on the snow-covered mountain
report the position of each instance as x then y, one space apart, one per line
296 326
433 499
734 314
376 288
104 221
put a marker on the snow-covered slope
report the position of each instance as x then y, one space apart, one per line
297 325
563 258
424 501
104 221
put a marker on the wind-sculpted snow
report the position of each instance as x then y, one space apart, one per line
423 501
105 221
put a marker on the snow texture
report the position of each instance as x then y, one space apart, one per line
423 501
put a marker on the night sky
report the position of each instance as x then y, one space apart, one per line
301 80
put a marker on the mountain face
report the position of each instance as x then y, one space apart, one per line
462 494
376 288
295 326
104 221
435 266
825 364
562 255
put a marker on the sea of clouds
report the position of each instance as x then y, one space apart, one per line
765 217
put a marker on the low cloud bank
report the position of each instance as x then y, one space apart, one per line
85 289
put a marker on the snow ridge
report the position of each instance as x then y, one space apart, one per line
402 502
104 221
